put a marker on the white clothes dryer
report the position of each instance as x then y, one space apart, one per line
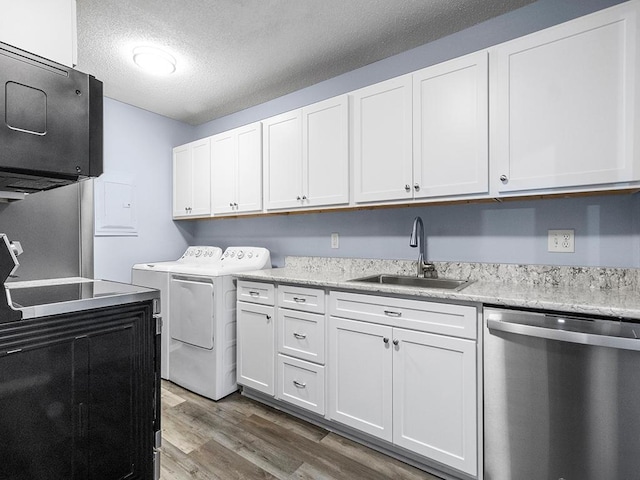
156 275
202 350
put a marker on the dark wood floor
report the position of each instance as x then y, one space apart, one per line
238 438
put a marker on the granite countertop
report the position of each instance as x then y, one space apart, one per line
594 291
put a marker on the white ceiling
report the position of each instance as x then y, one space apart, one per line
234 54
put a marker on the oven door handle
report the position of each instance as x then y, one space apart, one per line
564 335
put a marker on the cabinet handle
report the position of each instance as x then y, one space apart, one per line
407 188
391 313
504 178
254 294
385 340
268 317
299 300
396 342
416 187
300 336
299 384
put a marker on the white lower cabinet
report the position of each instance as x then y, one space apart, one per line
415 389
256 346
300 383
434 397
401 370
360 393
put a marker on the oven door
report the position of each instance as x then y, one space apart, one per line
561 397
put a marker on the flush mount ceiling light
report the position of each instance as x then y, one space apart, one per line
154 60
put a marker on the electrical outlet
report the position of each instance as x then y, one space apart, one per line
335 240
562 241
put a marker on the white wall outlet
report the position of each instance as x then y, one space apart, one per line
562 241
335 240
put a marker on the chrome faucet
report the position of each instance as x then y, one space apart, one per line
425 269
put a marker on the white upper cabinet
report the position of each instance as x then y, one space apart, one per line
382 155
236 170
191 179
325 157
450 128
46 28
306 156
283 160
565 105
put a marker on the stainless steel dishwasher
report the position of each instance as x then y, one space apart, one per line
561 397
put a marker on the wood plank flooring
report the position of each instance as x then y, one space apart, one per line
238 438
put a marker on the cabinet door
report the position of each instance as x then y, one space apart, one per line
382 141
434 397
223 172
283 160
451 128
325 166
182 174
256 347
249 168
201 178
38 416
108 418
48 29
360 389
565 104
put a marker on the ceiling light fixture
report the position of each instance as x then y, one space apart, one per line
154 60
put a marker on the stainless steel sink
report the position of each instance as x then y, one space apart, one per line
410 281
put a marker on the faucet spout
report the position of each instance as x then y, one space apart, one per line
424 268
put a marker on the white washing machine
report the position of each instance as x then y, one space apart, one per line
156 275
202 304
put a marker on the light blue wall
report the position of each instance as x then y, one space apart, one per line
139 144
607 228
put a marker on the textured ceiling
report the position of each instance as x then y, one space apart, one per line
234 54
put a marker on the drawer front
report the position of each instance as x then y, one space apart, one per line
256 292
301 335
301 298
442 318
301 383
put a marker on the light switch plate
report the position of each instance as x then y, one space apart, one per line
335 240
561 241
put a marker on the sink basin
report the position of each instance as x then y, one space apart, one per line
410 281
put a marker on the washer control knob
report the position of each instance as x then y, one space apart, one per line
240 254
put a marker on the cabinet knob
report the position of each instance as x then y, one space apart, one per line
231 204
268 317
304 197
504 178
298 198
407 188
396 342
385 340
416 187
235 204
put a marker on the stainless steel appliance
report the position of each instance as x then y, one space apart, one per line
51 132
562 396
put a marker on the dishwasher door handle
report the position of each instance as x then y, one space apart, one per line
564 335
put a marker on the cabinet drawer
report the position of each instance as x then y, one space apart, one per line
425 316
301 335
301 383
301 298
256 292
